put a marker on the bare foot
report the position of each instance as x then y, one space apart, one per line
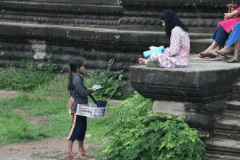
142 61
84 154
225 50
211 54
71 155
202 54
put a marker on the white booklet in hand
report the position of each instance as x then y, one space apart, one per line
97 86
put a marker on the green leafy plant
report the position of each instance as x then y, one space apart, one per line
140 133
27 77
110 83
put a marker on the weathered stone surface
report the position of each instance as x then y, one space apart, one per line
225 147
233 105
201 82
98 2
199 16
98 14
174 108
236 91
221 157
198 115
45 42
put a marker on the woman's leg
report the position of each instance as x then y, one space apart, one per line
212 46
225 49
234 39
236 49
220 36
209 52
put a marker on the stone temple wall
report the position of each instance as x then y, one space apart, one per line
97 30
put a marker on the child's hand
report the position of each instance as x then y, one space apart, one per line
94 89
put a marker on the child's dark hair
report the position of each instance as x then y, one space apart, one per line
74 64
171 20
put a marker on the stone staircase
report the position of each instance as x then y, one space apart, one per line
95 30
225 144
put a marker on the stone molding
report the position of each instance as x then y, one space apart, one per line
197 15
65 8
94 23
96 2
173 4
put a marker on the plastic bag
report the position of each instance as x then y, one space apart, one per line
154 50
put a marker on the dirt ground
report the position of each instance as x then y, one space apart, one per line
7 94
48 149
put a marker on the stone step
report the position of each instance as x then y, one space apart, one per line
232 114
229 124
224 147
232 105
100 2
236 86
236 96
236 91
211 156
143 39
73 13
227 129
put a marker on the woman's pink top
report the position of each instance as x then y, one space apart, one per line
229 24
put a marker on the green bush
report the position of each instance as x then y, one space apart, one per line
110 83
27 77
140 133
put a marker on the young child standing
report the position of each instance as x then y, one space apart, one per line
79 93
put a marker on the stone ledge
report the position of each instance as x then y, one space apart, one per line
202 82
229 147
98 2
221 157
100 38
61 7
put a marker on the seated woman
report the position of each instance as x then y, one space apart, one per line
233 39
177 54
221 34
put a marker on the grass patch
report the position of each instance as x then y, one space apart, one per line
15 128
44 94
48 100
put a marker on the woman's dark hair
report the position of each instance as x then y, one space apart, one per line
74 64
171 20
